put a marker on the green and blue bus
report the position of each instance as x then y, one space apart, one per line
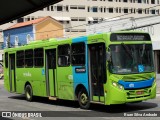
105 68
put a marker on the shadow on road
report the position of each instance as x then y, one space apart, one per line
130 107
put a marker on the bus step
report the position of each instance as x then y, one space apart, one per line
97 102
52 98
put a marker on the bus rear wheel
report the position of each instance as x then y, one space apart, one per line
83 99
28 93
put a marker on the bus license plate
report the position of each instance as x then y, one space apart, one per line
139 92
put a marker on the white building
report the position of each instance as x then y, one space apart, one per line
75 14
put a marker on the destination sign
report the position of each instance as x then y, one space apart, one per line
130 37
80 70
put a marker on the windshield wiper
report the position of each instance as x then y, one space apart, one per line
144 46
127 49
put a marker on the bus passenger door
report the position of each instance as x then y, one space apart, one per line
51 72
97 71
12 76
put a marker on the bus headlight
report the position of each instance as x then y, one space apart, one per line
115 84
120 87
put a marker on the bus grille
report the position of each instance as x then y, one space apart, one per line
140 93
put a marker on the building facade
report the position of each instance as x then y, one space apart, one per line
22 33
76 14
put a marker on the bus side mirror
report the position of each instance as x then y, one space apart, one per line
108 56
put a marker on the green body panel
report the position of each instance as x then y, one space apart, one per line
6 79
13 82
51 83
65 83
34 76
96 98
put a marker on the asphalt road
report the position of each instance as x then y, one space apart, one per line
68 110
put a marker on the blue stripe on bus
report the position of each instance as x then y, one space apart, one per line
81 77
137 84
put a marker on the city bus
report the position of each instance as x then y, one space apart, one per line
104 68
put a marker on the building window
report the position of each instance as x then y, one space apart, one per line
38 57
110 10
29 58
146 11
20 59
74 30
48 8
74 19
59 8
139 11
19 20
52 8
88 9
153 12
152 1
104 9
81 7
101 9
139 1
144 1
95 9
82 30
82 19
64 55
73 7
125 0
67 9
78 54
117 10
67 30
110 0
125 10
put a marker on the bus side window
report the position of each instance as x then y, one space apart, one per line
38 57
20 59
6 59
29 58
64 55
78 54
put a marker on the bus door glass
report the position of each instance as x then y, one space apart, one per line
51 72
97 71
12 78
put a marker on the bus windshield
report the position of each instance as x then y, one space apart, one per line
128 59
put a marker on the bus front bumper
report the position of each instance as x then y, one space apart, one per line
117 96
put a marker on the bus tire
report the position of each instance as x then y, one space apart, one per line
83 99
28 93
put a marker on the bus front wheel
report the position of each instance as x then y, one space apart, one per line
83 99
28 93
